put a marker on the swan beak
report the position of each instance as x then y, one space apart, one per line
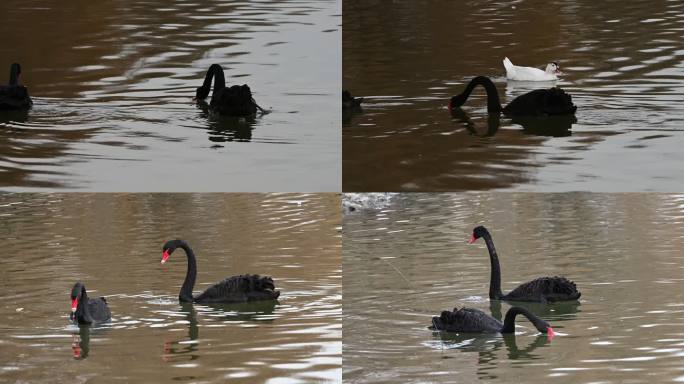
165 256
74 304
549 333
472 239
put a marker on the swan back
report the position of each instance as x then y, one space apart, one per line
545 289
240 289
466 320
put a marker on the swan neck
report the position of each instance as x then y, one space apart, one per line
185 294
495 276
14 74
83 303
215 72
493 103
509 321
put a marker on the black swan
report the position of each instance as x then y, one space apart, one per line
14 95
540 102
470 320
236 289
350 102
229 101
542 289
85 310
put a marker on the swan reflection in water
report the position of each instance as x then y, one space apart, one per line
223 129
186 348
80 341
552 126
488 347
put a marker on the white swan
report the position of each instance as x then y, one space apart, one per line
514 72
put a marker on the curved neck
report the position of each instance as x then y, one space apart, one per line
15 71
509 321
216 72
495 277
185 294
493 103
83 306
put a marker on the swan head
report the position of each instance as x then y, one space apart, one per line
478 232
76 293
553 68
169 247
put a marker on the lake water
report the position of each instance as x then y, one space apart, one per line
623 65
112 86
112 243
622 250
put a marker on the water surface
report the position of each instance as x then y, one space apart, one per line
623 65
410 260
112 243
112 86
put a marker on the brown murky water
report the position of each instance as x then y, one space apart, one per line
112 85
624 251
623 67
112 243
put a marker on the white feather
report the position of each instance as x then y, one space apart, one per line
517 73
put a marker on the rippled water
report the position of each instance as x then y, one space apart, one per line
622 250
112 86
623 67
112 243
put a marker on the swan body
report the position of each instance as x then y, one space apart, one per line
229 101
543 289
470 320
85 310
236 289
540 102
518 73
14 95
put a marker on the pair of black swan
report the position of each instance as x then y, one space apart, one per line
228 101
14 96
542 289
236 289
540 102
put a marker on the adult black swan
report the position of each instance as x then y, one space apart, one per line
14 95
229 101
236 289
470 320
85 310
542 289
540 102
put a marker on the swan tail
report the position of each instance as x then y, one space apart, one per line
509 67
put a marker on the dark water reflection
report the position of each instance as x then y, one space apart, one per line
623 68
123 75
113 244
622 250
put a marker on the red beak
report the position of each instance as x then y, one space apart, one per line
549 333
472 239
74 304
165 256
